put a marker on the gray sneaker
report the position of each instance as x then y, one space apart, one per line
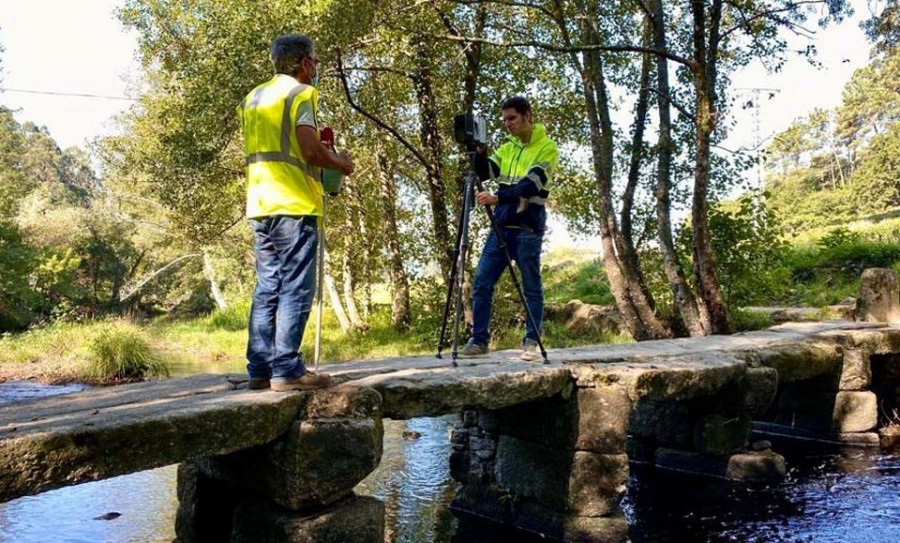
530 351
473 349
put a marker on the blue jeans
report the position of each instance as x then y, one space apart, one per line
285 250
525 248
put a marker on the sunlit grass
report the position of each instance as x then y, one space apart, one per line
60 352
119 351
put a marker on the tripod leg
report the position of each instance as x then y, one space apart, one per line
451 281
463 251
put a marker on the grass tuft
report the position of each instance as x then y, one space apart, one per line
121 352
233 319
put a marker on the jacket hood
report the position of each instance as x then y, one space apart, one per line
538 134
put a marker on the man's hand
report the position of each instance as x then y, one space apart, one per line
347 165
486 198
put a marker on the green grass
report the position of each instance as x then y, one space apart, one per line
824 273
59 342
746 321
573 280
102 351
827 275
120 351
97 351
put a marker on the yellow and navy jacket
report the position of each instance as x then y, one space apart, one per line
279 181
523 173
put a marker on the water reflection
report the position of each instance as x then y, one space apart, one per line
846 495
145 502
414 481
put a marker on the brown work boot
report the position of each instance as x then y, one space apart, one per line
308 381
258 383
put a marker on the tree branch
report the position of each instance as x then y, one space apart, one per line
378 122
681 109
556 48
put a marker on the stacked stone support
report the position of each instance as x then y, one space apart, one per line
296 489
559 466
704 428
825 390
556 467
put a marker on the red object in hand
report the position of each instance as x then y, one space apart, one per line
326 136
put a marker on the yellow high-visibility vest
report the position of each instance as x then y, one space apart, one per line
279 181
516 160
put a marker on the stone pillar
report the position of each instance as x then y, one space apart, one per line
879 296
556 467
707 435
296 489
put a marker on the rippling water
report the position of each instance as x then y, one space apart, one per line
830 496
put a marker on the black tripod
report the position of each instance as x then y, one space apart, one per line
459 262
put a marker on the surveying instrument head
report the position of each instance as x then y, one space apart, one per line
470 131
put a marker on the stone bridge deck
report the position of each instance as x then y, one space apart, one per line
101 433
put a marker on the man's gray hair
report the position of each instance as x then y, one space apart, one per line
288 51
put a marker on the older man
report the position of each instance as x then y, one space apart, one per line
283 158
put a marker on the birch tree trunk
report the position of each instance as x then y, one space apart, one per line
214 289
350 264
335 300
704 69
350 292
400 316
685 302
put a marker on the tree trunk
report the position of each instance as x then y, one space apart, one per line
625 241
640 318
706 117
335 300
150 276
400 316
214 289
685 302
348 276
601 144
431 141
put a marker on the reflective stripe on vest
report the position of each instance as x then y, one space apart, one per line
279 181
286 128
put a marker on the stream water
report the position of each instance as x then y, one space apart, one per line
831 495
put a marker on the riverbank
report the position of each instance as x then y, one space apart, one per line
59 354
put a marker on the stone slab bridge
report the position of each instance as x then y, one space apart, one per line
544 447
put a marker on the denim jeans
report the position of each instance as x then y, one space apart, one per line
285 250
525 248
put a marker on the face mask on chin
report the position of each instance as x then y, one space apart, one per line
314 76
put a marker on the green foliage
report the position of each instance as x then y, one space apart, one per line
747 321
837 237
121 352
16 296
833 166
749 250
54 281
573 280
235 317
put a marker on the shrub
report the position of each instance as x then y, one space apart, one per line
233 319
119 351
745 321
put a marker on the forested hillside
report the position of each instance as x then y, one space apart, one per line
834 167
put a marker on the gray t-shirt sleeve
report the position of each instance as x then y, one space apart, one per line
306 115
